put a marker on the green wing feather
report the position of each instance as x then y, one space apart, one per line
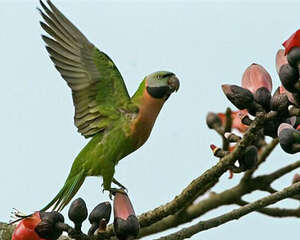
98 90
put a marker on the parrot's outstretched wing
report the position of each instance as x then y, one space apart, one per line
98 89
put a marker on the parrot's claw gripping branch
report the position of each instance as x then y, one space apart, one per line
119 184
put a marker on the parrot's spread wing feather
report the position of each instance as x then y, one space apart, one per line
98 89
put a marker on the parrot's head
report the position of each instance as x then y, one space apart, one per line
162 84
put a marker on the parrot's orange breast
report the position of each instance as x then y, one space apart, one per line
143 123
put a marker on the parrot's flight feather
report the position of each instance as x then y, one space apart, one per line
98 89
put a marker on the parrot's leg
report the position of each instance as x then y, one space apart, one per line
119 184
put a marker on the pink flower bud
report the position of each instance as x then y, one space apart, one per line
288 94
280 59
256 76
283 126
296 178
125 222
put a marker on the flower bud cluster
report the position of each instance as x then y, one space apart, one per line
254 95
50 225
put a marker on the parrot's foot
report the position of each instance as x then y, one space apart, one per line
113 191
119 184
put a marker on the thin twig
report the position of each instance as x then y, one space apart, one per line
282 171
275 212
227 128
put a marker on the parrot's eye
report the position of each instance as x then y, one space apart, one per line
168 75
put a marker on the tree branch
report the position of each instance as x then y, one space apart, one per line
275 212
282 171
235 214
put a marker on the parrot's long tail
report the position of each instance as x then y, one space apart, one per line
70 188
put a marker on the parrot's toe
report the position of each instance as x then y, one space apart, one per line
113 191
119 184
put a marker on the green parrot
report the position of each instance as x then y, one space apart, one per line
104 112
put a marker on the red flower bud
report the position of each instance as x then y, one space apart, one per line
293 41
25 229
39 226
218 152
255 77
236 120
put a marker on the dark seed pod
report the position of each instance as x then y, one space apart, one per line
249 158
47 228
213 121
260 139
126 224
293 57
289 138
279 102
246 120
296 122
263 97
288 77
78 213
296 98
99 217
240 97
291 120
270 128
231 137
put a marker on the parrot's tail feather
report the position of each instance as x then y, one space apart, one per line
71 192
70 188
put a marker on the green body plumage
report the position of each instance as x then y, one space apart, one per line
97 158
104 111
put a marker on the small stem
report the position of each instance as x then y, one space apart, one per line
227 128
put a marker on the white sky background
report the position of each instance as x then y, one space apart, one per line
205 44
